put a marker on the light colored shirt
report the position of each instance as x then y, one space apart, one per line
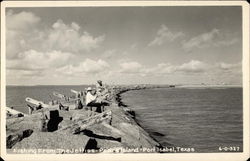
90 98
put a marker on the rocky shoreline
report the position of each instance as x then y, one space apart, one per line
129 110
122 134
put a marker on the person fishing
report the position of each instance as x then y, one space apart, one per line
99 87
102 91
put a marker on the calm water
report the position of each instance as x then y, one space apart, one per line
203 119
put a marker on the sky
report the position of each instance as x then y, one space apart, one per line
124 45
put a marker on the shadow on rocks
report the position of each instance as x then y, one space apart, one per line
11 140
55 119
91 146
90 133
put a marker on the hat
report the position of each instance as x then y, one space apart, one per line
89 89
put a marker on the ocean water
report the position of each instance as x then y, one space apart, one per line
203 119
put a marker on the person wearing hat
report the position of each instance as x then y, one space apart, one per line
89 96
91 100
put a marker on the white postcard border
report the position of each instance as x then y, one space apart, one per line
170 156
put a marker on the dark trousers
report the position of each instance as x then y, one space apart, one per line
99 106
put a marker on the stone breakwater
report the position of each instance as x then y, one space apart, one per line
117 133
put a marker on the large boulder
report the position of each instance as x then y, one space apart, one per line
12 139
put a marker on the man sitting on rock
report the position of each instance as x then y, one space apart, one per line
93 101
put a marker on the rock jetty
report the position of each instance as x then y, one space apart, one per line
76 131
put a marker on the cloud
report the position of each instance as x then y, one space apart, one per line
201 41
20 28
130 67
26 31
163 35
22 74
109 53
226 42
88 66
69 38
235 68
163 69
30 73
91 66
227 66
160 69
214 38
211 38
21 21
34 60
194 66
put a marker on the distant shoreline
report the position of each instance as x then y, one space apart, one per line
176 85
209 86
